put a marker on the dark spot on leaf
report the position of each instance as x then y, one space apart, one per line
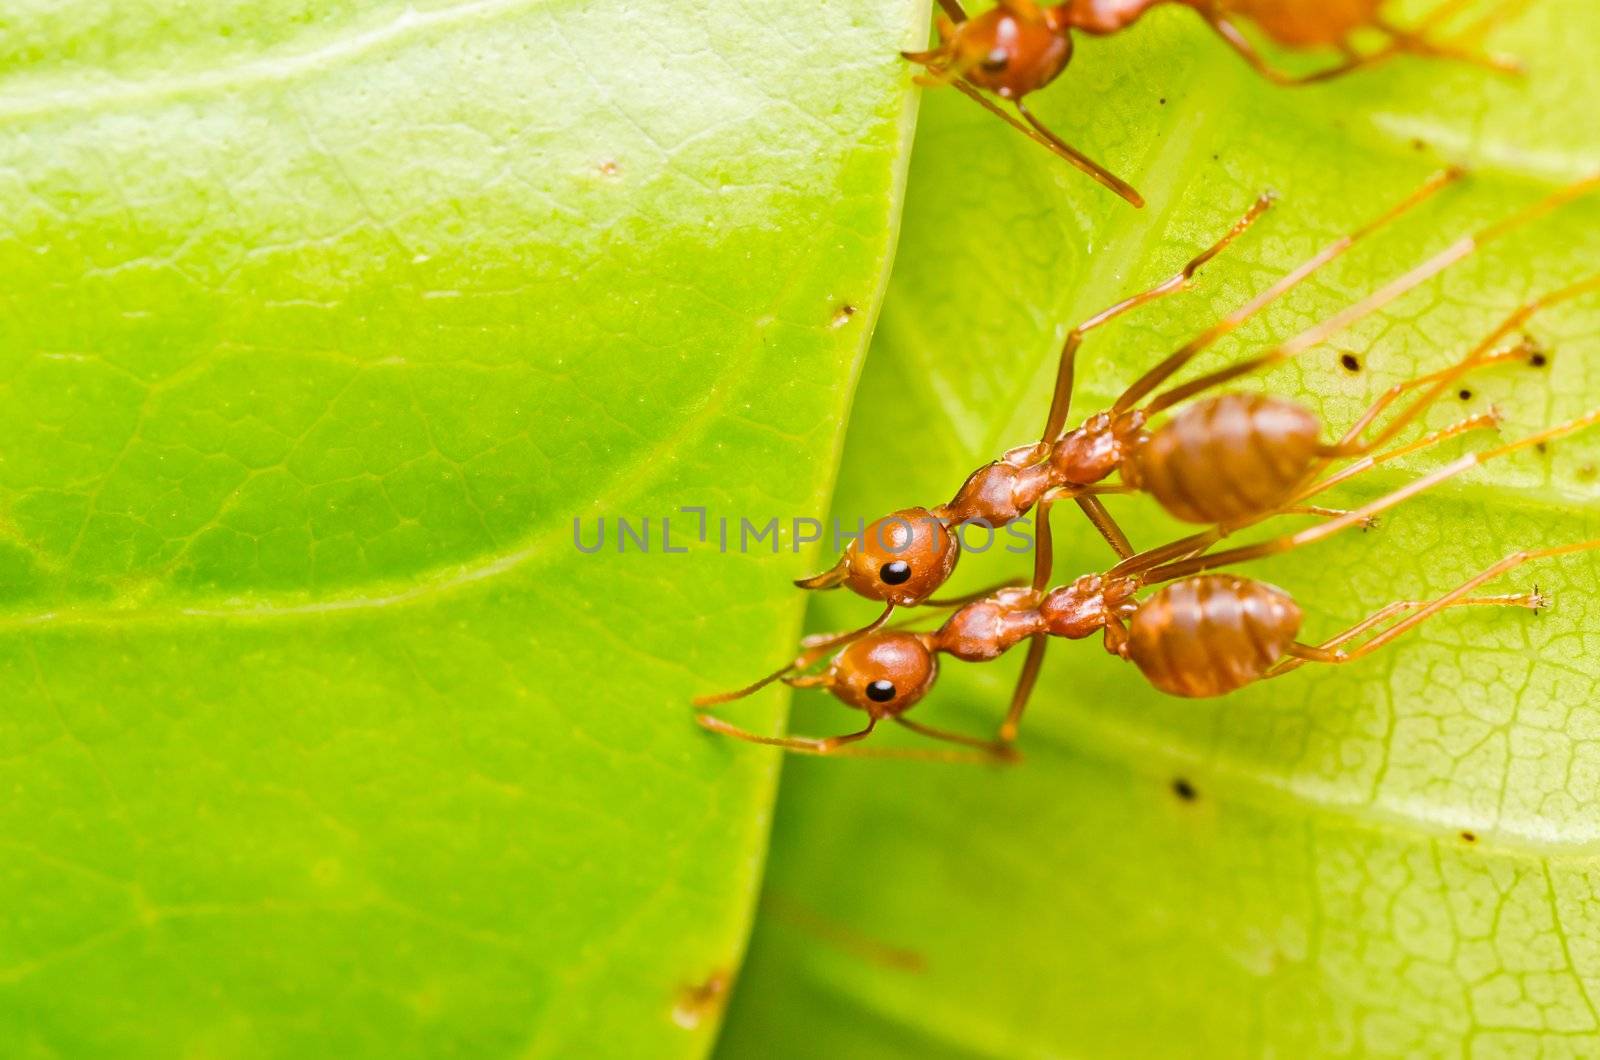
1543 447
1465 395
1162 101
1184 790
1538 359
1469 837
842 315
1419 144
700 1000
1350 362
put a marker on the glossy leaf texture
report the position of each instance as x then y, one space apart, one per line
322 324
1394 858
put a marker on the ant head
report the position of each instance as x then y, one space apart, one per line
883 674
902 559
1011 49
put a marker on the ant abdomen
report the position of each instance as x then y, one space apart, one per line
1230 457
1299 24
1211 634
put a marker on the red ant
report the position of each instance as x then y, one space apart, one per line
1231 459
1199 635
1020 46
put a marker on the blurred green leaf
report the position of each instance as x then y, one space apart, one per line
323 320
1396 858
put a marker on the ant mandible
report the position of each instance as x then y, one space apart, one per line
1230 460
1199 635
1020 46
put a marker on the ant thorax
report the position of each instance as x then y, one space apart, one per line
1104 16
1008 489
1096 449
987 628
1085 606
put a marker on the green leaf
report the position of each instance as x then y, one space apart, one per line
322 324
1394 858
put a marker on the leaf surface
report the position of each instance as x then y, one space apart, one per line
1394 858
323 322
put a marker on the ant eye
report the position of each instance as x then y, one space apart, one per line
895 573
880 691
996 61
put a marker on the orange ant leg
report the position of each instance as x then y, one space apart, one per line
1196 543
1312 509
803 744
1236 40
1401 41
1465 47
842 746
997 751
1044 543
1329 652
1304 653
1349 445
1484 353
953 10
815 649
1088 165
1148 382
1183 279
1394 289
948 602
1043 562
1039 134
1103 522
1025 683
1196 564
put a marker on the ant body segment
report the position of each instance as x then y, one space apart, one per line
1200 634
1020 46
1230 460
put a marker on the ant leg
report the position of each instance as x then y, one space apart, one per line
1314 336
1039 134
1196 543
1107 526
1247 51
1043 559
1349 445
1482 354
996 751
1196 564
1328 653
952 8
1325 652
1025 682
1464 47
803 744
815 647
1412 41
1088 165
1312 509
841 746
947 602
1044 544
1061 403
1148 382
